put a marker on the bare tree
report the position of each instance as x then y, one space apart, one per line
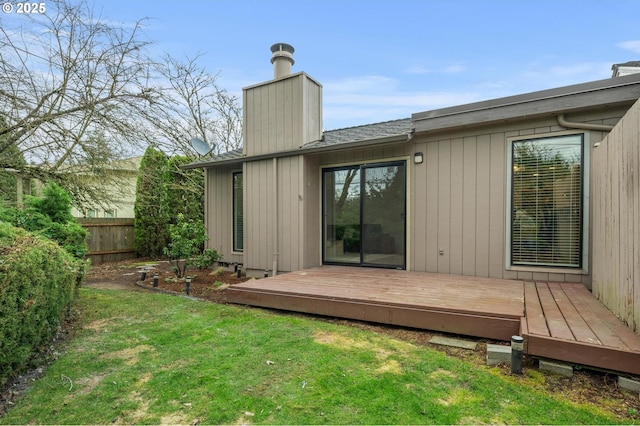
78 92
193 105
71 90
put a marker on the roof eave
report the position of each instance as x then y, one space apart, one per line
300 151
609 92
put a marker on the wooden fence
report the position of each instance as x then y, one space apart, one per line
110 240
616 219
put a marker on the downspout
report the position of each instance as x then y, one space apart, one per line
274 271
583 126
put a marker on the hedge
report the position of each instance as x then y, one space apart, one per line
38 282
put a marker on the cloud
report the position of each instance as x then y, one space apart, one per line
449 69
371 99
361 84
632 45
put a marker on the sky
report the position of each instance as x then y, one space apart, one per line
381 60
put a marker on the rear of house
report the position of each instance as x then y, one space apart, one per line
517 187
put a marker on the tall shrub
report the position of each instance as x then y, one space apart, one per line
151 206
38 280
185 189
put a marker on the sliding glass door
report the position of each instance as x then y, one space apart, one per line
364 215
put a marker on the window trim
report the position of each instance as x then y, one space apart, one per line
586 166
234 243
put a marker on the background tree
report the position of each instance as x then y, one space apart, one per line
185 189
78 92
193 105
11 160
151 206
72 87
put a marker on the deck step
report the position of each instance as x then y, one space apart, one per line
477 325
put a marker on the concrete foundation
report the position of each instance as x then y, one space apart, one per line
556 368
498 354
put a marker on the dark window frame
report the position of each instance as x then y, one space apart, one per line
238 220
577 259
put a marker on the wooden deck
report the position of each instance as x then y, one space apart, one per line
558 321
566 322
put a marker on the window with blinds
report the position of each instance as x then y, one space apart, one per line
238 213
547 201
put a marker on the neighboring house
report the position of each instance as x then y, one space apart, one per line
539 186
631 67
122 187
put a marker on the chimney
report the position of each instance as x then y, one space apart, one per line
282 59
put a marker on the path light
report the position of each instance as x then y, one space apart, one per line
516 354
239 272
144 274
188 283
155 279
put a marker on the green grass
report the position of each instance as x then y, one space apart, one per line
148 358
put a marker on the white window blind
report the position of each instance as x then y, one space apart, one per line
547 201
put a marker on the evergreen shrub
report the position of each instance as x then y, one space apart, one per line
38 282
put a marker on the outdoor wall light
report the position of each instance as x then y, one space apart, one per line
418 158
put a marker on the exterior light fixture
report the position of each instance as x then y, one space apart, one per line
418 158
188 286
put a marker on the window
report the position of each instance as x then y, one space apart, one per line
547 204
238 229
110 214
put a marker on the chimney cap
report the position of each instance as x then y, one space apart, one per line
282 47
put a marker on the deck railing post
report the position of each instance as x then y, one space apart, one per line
517 347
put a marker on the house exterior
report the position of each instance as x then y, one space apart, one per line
541 186
121 187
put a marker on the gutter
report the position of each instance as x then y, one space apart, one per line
583 126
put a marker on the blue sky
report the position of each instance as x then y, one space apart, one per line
381 60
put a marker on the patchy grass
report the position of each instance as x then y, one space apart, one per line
153 358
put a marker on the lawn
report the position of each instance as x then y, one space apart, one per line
148 358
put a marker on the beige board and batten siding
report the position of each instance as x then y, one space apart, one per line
282 115
218 215
275 211
616 219
460 198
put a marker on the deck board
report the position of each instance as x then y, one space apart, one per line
576 323
536 322
562 321
558 327
609 329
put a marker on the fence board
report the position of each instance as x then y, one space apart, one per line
110 240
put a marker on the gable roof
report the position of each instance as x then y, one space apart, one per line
360 133
350 137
